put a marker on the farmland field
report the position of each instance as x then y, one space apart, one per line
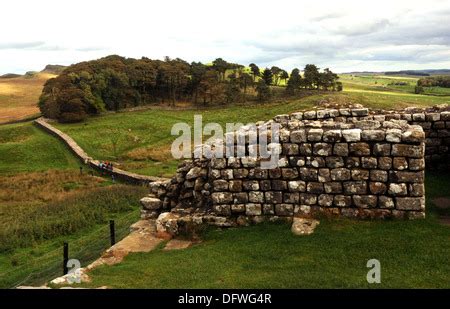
19 96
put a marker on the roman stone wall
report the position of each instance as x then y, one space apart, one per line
342 162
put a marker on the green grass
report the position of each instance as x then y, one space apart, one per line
32 235
413 254
26 148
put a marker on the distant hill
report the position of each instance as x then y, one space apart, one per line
54 69
427 72
10 75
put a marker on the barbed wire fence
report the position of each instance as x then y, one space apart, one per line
86 249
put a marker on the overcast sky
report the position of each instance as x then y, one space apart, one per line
342 35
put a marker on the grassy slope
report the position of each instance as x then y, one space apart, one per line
412 254
25 148
39 181
18 96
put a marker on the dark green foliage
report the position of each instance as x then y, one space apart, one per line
434 81
418 89
115 83
294 82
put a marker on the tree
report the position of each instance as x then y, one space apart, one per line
294 82
267 76
255 70
232 89
263 90
221 67
327 79
197 72
418 90
245 80
312 76
276 71
284 76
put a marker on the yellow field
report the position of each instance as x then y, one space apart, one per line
19 96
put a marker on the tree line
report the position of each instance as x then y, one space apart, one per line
432 81
115 82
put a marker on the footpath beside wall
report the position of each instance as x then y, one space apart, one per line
85 159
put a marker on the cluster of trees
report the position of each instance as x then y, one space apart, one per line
432 81
115 82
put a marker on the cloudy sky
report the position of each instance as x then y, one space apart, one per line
343 35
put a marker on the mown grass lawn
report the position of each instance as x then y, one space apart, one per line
413 254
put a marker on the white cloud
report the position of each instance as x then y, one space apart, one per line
343 35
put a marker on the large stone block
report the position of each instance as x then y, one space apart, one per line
359 149
355 187
322 149
222 197
351 135
365 201
405 150
339 174
410 203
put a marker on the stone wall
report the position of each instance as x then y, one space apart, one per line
343 162
86 159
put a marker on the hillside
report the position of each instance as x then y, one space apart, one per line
19 95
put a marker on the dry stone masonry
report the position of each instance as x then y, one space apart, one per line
334 162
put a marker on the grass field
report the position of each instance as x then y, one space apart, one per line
19 96
45 201
413 254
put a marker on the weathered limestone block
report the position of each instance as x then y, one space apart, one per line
385 163
197 171
222 197
304 226
315 135
360 174
252 209
298 136
333 187
240 197
402 176
359 149
413 135
222 210
445 116
339 174
324 175
410 203
351 135
274 197
400 163
325 200
151 203
218 163
238 208
297 186
250 185
314 187
340 149
278 185
382 149
290 149
258 173
284 209
378 175
240 173
377 187
322 149
227 173
334 162
309 115
332 136
220 185
416 164
342 201
418 117
369 162
398 189
394 135
289 173
297 115
308 174
292 197
305 149
365 201
373 135
416 189
355 187
433 116
352 162
411 151
385 202
256 197
308 199
315 161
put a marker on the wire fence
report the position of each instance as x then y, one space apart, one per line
39 270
